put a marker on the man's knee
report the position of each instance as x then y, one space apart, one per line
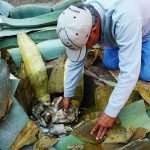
110 58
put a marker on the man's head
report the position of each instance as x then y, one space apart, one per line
78 28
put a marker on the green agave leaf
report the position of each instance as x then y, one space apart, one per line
68 141
30 10
5 8
135 115
49 50
44 34
6 32
65 4
42 20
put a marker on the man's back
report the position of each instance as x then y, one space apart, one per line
117 8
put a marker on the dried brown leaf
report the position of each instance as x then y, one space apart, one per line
27 136
44 143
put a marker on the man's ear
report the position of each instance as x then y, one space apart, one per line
93 33
95 30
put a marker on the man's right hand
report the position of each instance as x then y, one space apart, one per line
65 104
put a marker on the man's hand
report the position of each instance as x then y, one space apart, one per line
65 104
103 123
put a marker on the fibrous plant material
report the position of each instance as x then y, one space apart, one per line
47 115
35 67
27 136
62 117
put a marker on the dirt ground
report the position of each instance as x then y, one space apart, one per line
21 2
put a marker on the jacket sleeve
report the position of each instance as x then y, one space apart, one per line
128 35
72 75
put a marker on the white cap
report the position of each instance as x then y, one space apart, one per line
73 28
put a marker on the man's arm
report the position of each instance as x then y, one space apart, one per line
72 75
129 40
128 33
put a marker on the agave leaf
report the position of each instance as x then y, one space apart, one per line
102 146
145 93
75 147
6 32
148 112
39 35
56 81
27 136
65 4
91 116
142 144
49 50
113 136
119 135
5 8
44 142
68 141
25 93
35 67
79 91
91 57
92 147
4 88
91 72
38 21
102 95
83 133
135 115
139 133
30 10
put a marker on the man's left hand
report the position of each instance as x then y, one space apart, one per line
103 123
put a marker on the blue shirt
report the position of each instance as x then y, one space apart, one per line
125 24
